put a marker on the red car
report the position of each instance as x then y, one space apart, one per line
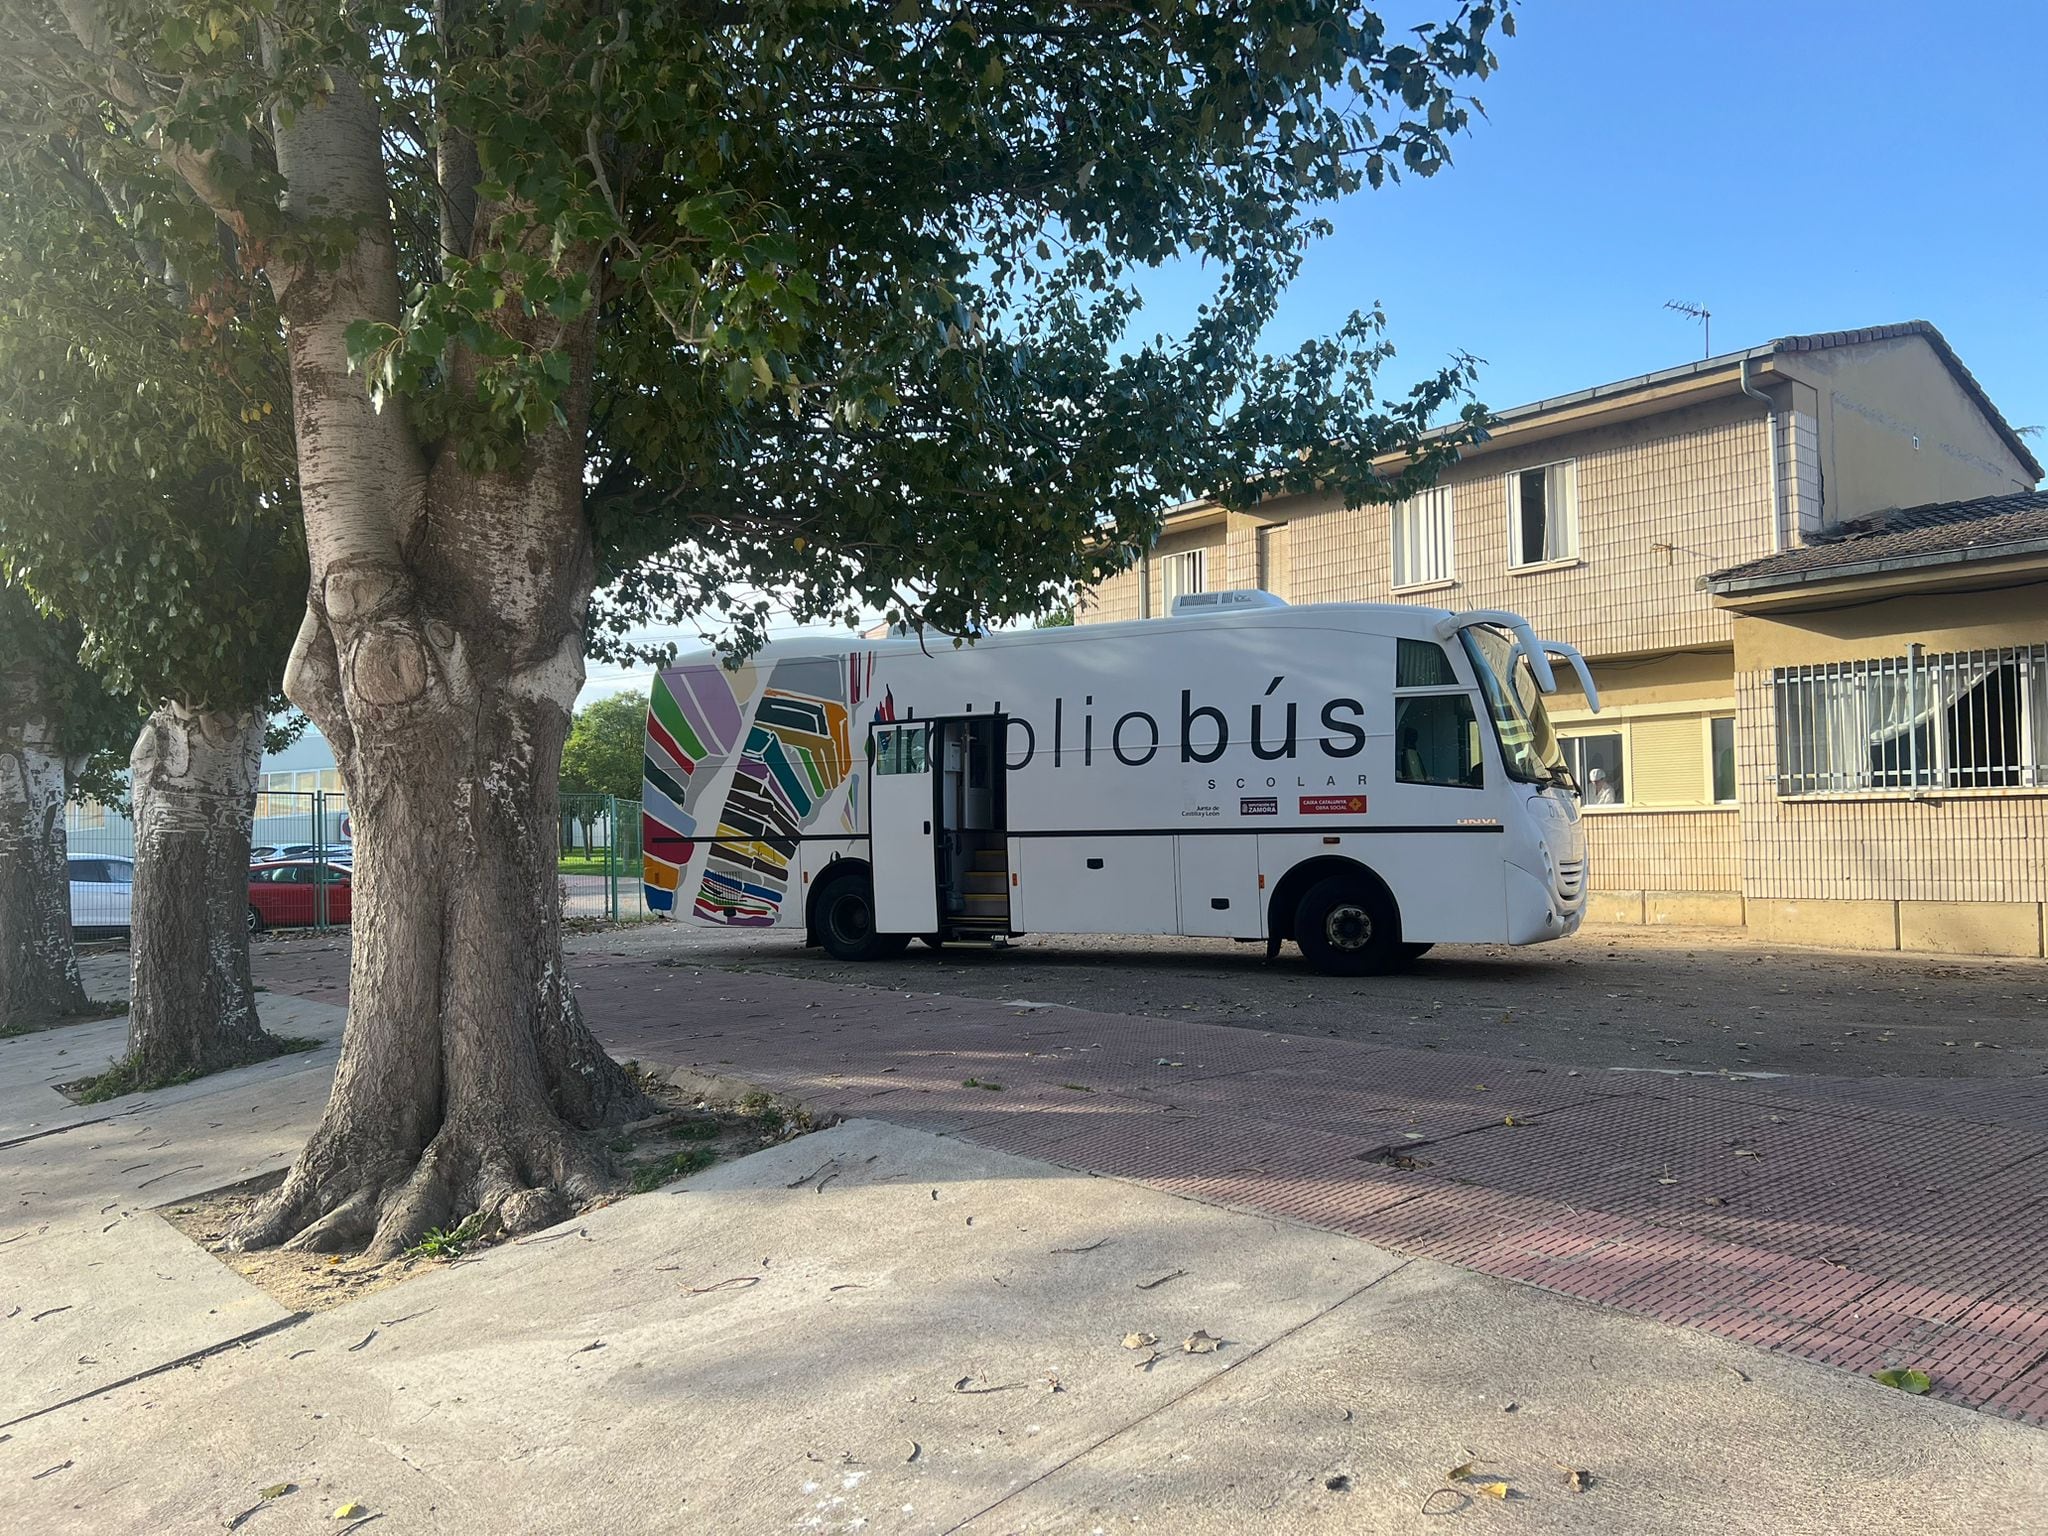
289 892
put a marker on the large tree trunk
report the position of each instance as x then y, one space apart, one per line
193 1007
440 655
38 966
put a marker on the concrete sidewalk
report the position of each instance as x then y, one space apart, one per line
1860 1223
95 1285
877 1329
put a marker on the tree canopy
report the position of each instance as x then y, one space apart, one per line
604 752
866 278
42 679
147 430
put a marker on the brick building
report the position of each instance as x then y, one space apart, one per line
1812 579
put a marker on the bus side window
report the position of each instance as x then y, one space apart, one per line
900 749
1436 741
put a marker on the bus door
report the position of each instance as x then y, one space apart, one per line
902 808
936 819
973 836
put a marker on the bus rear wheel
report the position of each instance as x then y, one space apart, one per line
846 921
1348 926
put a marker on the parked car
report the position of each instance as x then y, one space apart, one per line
262 853
290 893
101 888
334 853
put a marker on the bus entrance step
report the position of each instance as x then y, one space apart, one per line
991 861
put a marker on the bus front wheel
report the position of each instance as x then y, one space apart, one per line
846 921
1349 926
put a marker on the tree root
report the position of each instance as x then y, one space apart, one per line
518 1174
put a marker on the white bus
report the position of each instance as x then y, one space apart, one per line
1365 779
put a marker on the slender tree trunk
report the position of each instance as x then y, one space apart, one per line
193 1006
38 965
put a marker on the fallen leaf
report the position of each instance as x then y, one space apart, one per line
1915 1382
1493 1490
1576 1479
348 1511
916 1450
1201 1343
1461 1471
279 1490
1338 1484
1667 1181
1747 1152
1140 1340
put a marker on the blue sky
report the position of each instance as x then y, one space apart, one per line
1802 166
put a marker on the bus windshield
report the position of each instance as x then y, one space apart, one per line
1528 746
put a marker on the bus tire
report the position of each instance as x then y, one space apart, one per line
1410 953
1348 926
845 916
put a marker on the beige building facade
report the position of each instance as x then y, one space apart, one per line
1782 745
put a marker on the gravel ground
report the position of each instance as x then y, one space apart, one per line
1661 1000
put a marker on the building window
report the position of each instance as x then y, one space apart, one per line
1595 761
1423 530
1271 549
1543 514
86 816
1957 720
1184 574
1721 757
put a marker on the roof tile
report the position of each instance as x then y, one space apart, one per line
1977 529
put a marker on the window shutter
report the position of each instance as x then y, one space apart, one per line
1670 761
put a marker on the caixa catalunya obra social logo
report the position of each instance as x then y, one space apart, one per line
1271 729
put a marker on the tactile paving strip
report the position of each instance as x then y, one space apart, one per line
1847 1230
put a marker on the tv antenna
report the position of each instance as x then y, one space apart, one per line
1701 313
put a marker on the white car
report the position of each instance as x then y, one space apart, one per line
101 886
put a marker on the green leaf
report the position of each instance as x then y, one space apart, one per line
1905 1380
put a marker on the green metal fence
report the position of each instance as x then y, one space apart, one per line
600 858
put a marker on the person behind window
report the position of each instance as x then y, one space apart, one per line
1599 791
1411 757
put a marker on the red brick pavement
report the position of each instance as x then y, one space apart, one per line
1863 1224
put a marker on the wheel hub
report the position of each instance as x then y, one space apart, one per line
851 917
1348 927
